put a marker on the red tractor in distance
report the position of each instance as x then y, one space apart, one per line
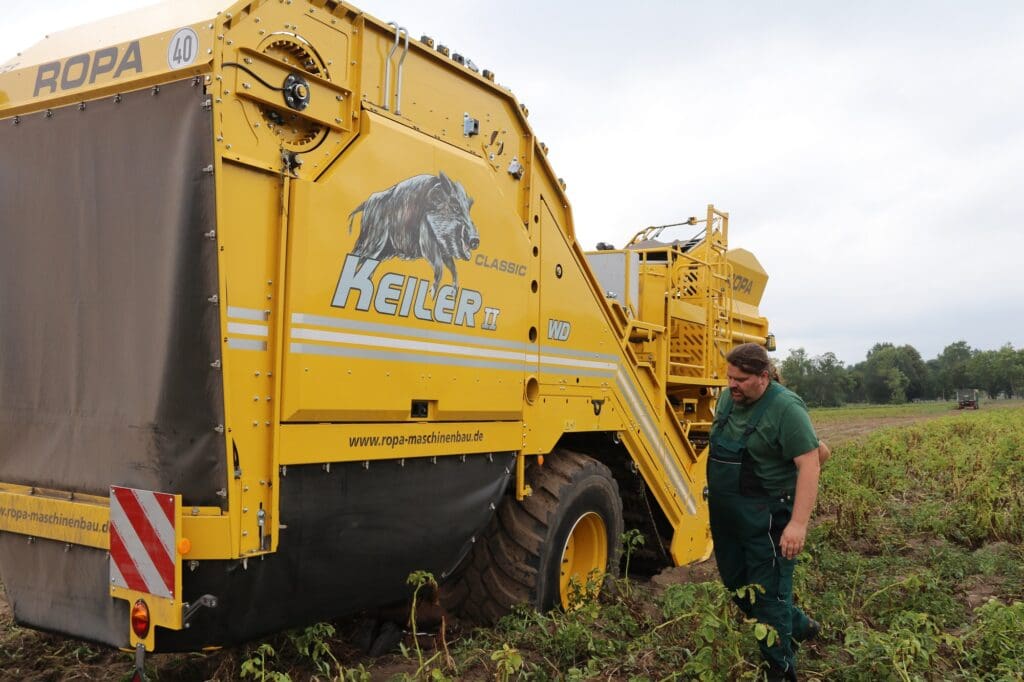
967 399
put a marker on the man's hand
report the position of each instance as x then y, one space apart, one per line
808 468
824 452
793 537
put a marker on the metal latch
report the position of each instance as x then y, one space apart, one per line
515 169
207 600
470 125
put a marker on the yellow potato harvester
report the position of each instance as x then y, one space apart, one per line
293 306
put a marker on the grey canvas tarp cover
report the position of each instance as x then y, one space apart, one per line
109 342
108 334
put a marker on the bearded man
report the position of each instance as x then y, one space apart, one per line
763 474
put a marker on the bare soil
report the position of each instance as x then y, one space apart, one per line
839 432
837 428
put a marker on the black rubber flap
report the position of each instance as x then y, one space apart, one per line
353 535
107 330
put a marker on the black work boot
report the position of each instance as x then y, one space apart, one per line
812 633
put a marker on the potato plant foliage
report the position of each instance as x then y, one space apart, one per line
915 565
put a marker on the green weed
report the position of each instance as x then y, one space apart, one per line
312 643
256 665
996 641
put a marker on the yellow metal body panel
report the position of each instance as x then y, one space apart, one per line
157 19
326 443
599 359
208 531
55 515
250 241
339 350
84 520
262 43
103 64
165 613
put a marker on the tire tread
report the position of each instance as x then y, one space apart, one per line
503 567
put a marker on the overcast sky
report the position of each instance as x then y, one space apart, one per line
870 154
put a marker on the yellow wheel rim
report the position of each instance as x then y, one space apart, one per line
585 556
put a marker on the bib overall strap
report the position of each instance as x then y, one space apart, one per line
733 451
755 416
749 482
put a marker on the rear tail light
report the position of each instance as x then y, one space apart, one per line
140 619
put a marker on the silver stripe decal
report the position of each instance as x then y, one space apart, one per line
370 354
248 329
603 374
610 366
248 314
586 355
246 344
585 363
390 342
557 355
648 426
378 328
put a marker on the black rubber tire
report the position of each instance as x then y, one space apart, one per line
518 559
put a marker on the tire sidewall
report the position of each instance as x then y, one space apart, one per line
593 493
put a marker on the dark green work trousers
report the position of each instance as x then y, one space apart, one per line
746 529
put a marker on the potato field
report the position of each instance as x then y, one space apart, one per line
915 566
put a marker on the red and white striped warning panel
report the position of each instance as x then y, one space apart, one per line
142 541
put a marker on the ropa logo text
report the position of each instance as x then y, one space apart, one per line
76 71
742 284
558 330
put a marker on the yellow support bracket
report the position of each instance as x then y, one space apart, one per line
522 490
260 78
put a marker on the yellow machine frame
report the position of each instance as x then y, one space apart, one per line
647 371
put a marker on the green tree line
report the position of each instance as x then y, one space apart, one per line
897 374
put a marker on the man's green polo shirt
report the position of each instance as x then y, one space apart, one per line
784 432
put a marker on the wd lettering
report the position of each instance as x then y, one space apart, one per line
558 330
76 71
